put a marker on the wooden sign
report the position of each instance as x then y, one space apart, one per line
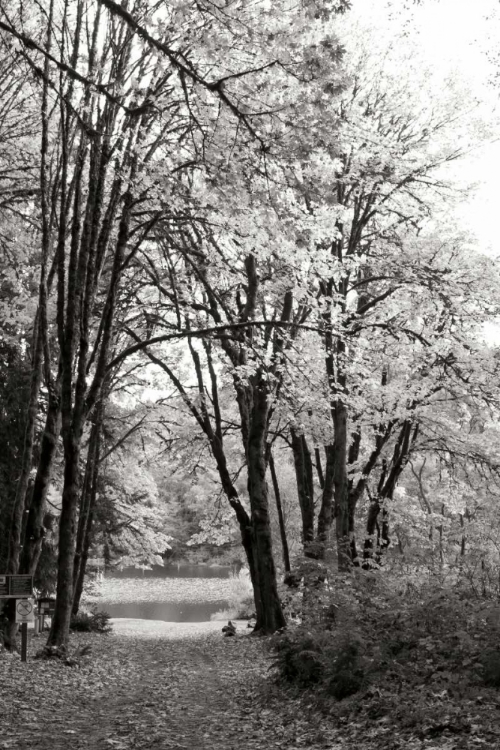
25 610
46 606
16 586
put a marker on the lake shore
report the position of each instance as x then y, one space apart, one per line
134 628
194 590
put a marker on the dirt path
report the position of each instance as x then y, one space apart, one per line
137 690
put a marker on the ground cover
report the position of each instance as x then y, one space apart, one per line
138 691
182 687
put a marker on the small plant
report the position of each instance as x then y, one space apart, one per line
91 622
311 657
298 656
491 668
347 670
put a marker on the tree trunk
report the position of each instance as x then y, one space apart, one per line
67 539
16 526
268 607
87 502
341 484
35 530
86 518
304 477
325 516
371 554
281 518
82 568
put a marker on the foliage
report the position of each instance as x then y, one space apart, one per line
309 658
93 621
240 599
382 637
14 387
246 241
225 682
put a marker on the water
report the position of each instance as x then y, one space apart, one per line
167 611
174 611
171 570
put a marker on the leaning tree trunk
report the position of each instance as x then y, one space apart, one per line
281 518
88 496
82 568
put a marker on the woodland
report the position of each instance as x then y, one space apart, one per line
242 318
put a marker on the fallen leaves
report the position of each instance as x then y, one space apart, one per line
194 590
202 691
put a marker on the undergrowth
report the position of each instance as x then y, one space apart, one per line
369 640
240 604
91 621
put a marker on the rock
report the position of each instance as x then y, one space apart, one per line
229 629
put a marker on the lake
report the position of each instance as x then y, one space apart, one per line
173 593
172 570
170 612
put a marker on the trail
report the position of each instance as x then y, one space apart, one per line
173 689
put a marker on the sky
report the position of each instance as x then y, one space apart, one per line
465 34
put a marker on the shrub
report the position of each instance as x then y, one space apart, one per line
91 622
377 635
292 667
240 605
310 657
491 668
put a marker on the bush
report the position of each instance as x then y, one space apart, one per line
241 604
491 668
308 658
91 622
376 637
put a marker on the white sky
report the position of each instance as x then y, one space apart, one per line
466 33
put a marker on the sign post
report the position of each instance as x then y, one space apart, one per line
24 641
19 587
46 608
16 586
25 613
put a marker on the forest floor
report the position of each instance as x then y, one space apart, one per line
188 688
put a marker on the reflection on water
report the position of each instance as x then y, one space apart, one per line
168 611
171 570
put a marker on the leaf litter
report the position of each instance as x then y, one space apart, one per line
194 590
188 688
132 692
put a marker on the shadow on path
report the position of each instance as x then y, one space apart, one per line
138 692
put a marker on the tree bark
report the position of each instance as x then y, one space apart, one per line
88 497
378 534
341 485
16 525
269 613
67 537
304 477
325 516
35 530
281 518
